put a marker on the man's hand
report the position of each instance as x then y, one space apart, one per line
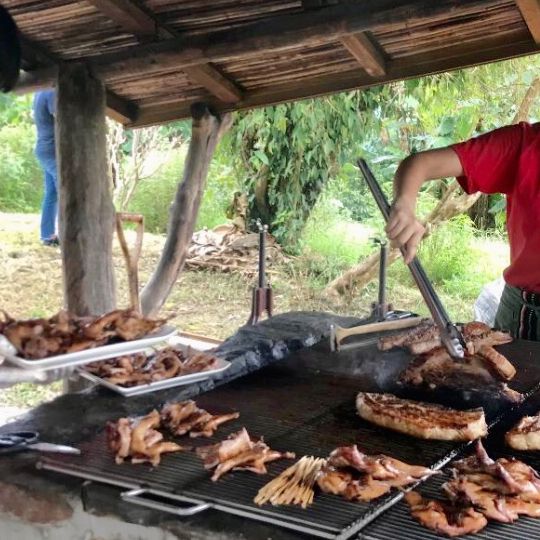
403 229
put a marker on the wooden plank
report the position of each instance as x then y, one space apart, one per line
86 208
530 9
272 35
128 16
215 82
367 53
450 58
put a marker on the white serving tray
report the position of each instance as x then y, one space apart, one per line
103 352
158 385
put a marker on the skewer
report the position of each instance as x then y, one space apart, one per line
294 485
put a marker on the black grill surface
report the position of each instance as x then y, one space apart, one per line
304 405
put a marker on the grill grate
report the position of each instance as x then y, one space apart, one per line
299 408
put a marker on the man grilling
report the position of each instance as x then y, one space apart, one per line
506 160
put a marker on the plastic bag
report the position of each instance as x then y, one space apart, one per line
487 303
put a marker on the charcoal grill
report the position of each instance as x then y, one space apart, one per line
305 405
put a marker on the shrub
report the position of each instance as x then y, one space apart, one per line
21 180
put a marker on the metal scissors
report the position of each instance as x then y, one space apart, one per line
18 441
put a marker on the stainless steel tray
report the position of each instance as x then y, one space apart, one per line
158 385
89 355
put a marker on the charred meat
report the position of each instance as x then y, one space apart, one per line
421 419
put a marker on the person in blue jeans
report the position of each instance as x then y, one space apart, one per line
44 111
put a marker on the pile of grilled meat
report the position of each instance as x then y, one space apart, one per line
359 477
480 489
137 369
140 440
65 333
483 369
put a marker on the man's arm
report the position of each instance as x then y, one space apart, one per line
403 228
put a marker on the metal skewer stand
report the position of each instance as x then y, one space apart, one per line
262 300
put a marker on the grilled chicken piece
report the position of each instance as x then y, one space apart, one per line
340 482
445 518
380 467
239 452
516 477
490 503
139 439
366 489
210 427
526 434
218 453
421 419
334 481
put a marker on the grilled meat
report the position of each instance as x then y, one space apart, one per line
64 333
380 467
421 419
526 434
426 337
139 439
185 417
445 518
425 332
239 453
139 368
499 490
357 476
479 373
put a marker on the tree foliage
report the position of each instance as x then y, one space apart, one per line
287 153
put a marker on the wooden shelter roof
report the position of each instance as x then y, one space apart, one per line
157 57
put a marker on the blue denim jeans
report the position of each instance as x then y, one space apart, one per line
49 206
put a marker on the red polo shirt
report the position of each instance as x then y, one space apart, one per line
507 161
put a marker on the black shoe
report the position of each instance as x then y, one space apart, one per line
52 242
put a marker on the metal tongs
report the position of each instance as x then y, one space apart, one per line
451 337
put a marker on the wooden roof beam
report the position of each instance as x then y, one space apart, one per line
450 58
272 35
135 20
530 9
364 48
130 17
215 82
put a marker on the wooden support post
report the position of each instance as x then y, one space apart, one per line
207 130
87 216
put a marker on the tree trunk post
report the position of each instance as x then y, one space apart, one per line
86 210
207 130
